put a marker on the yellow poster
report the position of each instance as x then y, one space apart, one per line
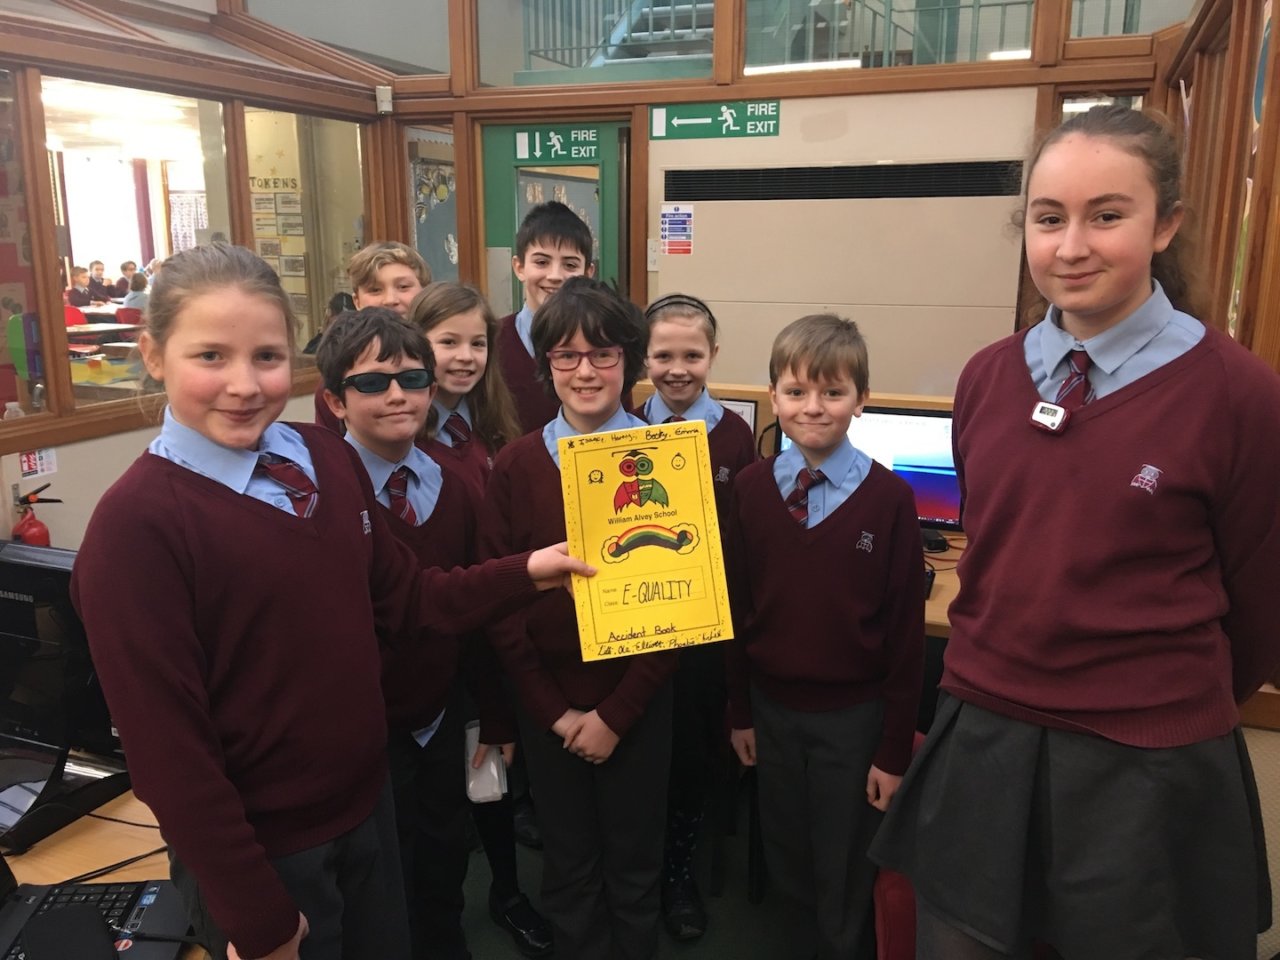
639 506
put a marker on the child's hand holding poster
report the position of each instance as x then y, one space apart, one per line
639 506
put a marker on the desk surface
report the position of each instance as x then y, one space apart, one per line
103 327
89 843
945 586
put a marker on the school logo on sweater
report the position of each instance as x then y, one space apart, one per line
366 522
722 475
1147 479
865 541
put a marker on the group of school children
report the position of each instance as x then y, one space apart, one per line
292 678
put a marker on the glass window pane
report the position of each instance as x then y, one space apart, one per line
432 186
136 176
198 42
402 36
1073 105
822 34
308 205
606 41
1109 18
22 361
46 12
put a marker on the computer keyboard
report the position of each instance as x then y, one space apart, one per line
117 902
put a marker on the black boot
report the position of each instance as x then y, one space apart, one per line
682 909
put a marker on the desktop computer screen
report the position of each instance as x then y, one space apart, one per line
49 693
916 445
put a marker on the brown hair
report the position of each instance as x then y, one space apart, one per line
822 346
1147 136
138 281
552 224
493 412
206 269
604 318
364 265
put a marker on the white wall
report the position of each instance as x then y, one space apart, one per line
928 281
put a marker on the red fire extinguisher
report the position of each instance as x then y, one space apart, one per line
29 528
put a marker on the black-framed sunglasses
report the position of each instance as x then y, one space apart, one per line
373 382
602 358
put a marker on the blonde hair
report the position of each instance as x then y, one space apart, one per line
362 269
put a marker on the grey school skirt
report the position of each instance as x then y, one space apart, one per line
1015 832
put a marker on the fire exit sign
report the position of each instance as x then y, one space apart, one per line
710 121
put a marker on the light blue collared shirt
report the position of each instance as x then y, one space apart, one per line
524 327
845 470
425 477
655 410
443 413
230 466
559 428
1146 340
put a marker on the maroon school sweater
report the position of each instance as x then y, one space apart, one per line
418 675
538 645
833 616
1120 576
472 461
536 406
241 663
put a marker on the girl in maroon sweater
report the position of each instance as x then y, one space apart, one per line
597 734
1085 783
473 416
242 671
682 348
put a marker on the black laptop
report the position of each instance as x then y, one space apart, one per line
135 910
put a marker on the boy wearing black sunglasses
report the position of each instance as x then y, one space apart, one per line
378 379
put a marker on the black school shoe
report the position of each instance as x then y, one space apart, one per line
528 928
682 911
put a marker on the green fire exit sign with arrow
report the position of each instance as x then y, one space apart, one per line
713 121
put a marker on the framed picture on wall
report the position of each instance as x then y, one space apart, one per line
290 225
264 203
301 304
288 203
265 226
746 409
293 266
267 248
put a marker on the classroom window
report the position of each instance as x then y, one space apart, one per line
307 197
593 41
803 35
1109 18
406 37
136 177
432 192
1073 105
22 378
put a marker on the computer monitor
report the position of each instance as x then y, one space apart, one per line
49 693
916 445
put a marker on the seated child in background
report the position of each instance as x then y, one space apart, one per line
78 293
340 303
136 298
127 270
378 379
682 347
596 734
100 289
827 583
383 274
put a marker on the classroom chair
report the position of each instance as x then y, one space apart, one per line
128 315
74 315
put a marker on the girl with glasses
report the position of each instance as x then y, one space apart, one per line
597 735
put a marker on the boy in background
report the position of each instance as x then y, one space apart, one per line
78 293
378 380
552 245
122 285
827 581
100 289
383 274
